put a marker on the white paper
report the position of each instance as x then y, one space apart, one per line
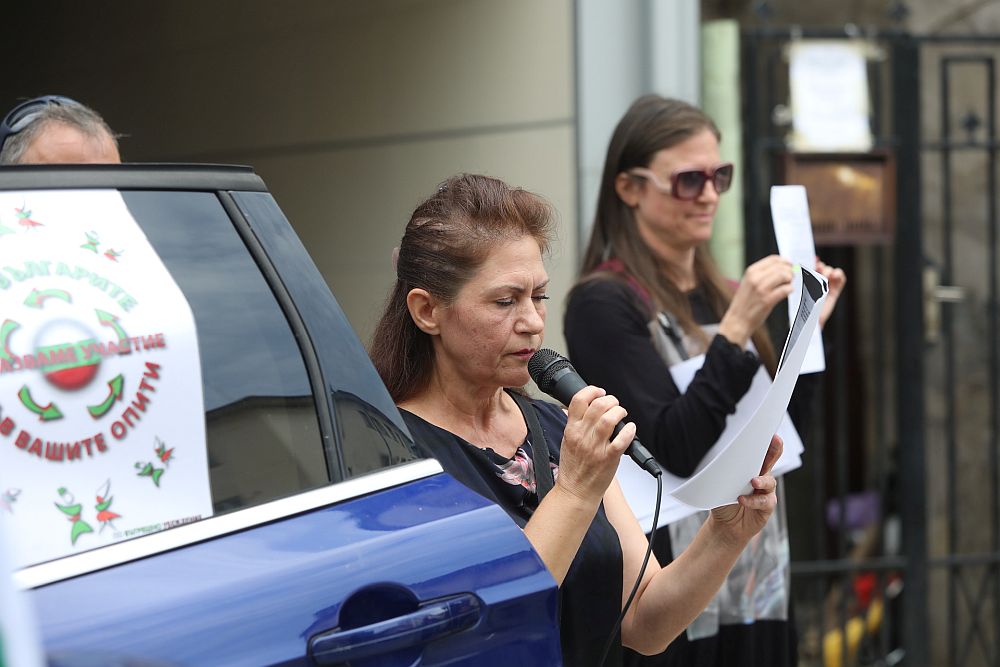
793 232
725 472
20 645
102 421
829 92
640 488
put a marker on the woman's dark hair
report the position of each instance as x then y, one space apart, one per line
447 239
650 125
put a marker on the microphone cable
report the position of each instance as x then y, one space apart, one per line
642 569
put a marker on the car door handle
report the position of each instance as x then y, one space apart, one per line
431 621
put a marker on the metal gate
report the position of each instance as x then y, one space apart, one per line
895 516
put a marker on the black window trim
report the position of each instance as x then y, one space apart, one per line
322 399
152 176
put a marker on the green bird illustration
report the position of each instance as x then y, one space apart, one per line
92 242
72 510
148 470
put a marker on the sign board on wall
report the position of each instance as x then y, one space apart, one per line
829 94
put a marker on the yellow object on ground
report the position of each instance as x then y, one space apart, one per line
833 641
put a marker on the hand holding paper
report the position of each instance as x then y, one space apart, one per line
748 516
836 279
736 457
720 480
793 233
765 283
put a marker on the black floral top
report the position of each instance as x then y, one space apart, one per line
591 595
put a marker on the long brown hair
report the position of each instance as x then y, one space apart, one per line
447 239
650 125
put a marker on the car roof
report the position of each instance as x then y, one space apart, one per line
138 176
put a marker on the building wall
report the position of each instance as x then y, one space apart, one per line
351 112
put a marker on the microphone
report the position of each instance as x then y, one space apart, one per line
554 375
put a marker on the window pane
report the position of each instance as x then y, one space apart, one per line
262 430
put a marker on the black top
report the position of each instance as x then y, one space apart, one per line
608 337
591 595
609 344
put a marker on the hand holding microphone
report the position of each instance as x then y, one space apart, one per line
556 377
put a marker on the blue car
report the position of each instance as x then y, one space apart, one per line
198 462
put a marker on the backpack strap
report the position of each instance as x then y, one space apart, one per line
617 267
543 471
667 323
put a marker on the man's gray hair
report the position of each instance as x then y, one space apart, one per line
65 111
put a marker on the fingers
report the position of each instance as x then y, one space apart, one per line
772 269
581 401
835 277
771 278
764 497
774 450
836 280
624 437
595 413
763 484
765 282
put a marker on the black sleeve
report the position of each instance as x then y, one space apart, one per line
609 345
802 404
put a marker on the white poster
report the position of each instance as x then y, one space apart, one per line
102 427
20 645
793 233
829 91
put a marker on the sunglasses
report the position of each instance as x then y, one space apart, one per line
688 184
21 116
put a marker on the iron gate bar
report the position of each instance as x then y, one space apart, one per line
965 560
992 40
993 442
879 478
956 146
910 375
833 566
948 352
883 636
888 34
876 104
955 578
841 449
974 607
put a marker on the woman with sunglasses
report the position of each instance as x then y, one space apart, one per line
650 296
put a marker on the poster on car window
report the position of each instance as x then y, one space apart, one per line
102 423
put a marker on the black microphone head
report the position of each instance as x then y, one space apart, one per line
544 365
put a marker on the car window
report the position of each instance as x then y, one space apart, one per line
262 433
148 375
369 441
369 431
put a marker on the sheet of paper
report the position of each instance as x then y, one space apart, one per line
829 92
20 645
793 232
640 488
725 472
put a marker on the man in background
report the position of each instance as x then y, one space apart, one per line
56 129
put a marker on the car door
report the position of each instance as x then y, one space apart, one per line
258 500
